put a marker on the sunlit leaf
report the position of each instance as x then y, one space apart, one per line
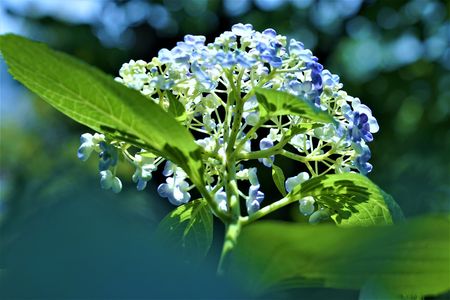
94 99
278 103
352 198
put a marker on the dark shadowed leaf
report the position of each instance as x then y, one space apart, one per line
411 258
176 108
395 210
279 179
188 228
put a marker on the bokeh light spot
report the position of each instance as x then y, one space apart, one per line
236 7
408 116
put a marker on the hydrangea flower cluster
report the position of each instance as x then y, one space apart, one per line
215 84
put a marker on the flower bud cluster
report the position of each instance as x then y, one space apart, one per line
108 157
215 84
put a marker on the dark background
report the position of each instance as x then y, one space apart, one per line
62 236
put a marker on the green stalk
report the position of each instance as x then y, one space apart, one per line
306 158
268 209
232 232
233 226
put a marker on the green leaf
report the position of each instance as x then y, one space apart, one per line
301 128
279 179
94 99
304 127
373 290
176 108
278 103
411 258
188 228
352 198
395 210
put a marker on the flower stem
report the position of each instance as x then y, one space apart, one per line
233 226
232 232
267 210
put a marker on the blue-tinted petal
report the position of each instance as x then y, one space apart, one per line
265 143
141 184
86 138
106 179
103 165
241 29
306 205
168 168
268 162
252 207
295 47
363 118
84 152
116 186
164 56
270 32
164 190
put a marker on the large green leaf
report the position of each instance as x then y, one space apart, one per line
94 99
278 103
412 258
353 199
188 228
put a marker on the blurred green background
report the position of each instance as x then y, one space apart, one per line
61 236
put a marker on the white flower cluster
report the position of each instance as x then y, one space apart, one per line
215 83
